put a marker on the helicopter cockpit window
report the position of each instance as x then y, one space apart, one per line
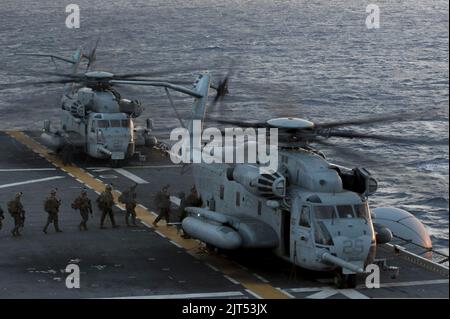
125 123
305 219
324 212
345 211
362 211
103 123
115 123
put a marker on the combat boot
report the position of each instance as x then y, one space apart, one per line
57 228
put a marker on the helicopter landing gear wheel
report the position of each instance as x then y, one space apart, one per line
343 281
66 154
117 163
351 281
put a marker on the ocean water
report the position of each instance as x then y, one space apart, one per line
315 60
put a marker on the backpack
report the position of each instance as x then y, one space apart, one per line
12 207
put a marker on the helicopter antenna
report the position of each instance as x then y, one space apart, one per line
52 56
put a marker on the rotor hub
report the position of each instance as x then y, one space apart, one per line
291 123
99 75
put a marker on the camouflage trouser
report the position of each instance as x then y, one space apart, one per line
84 220
110 213
17 224
52 219
132 213
163 212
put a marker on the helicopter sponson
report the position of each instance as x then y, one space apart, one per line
228 231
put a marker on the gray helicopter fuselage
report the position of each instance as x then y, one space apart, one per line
103 131
315 216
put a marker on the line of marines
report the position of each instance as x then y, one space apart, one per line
105 203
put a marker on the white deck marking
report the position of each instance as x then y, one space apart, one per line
103 169
31 181
27 169
179 246
261 278
352 294
131 176
307 289
323 294
286 293
414 283
160 234
145 224
211 266
232 280
99 169
155 166
253 294
187 296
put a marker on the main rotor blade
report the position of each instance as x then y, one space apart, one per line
155 73
66 75
222 87
92 57
383 118
395 139
239 123
348 153
5 86
168 85
47 55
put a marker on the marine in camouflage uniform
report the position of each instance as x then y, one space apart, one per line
130 206
193 200
162 201
51 206
128 197
2 217
181 209
182 213
105 203
83 204
17 212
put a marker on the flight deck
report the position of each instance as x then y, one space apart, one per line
148 262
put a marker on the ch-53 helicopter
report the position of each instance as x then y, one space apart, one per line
310 212
95 119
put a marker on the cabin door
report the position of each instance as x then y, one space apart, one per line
286 231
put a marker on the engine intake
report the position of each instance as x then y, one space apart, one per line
78 109
265 185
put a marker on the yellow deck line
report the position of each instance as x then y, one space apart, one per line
246 279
